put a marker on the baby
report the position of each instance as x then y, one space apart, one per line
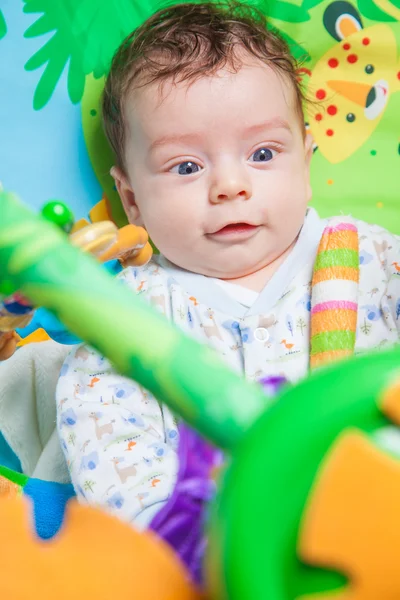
203 109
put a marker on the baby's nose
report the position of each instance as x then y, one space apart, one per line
230 189
243 194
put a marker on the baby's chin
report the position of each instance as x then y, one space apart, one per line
232 268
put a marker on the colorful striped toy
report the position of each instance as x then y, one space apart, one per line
334 294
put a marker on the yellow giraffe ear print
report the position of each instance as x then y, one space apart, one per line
346 26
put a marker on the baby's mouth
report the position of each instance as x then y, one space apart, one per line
235 228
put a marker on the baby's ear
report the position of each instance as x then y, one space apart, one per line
308 147
126 194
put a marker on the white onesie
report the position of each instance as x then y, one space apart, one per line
120 443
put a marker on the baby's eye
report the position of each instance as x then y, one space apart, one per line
263 154
186 168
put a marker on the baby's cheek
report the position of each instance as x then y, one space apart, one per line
294 191
282 200
169 227
287 214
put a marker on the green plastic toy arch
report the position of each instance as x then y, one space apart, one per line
276 450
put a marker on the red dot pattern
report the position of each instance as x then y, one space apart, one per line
352 58
346 46
318 117
333 63
332 110
320 94
329 132
366 41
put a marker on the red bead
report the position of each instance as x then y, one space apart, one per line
320 94
352 58
366 41
333 63
318 117
332 110
346 46
329 132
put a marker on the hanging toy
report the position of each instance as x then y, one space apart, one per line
116 248
129 245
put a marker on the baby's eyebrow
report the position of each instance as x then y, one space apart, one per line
190 138
175 139
274 123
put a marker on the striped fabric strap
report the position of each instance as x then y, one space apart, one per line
334 295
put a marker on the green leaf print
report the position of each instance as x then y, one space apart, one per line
86 34
298 52
89 485
308 4
380 10
285 11
3 26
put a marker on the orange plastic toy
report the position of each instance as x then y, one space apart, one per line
93 557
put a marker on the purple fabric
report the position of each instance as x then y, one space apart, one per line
181 520
272 385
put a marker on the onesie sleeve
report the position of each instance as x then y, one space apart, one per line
119 442
389 245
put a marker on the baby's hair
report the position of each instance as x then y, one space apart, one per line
185 42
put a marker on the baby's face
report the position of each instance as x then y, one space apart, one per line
217 172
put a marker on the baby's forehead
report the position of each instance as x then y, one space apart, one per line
255 89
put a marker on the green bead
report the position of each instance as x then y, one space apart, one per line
59 214
7 288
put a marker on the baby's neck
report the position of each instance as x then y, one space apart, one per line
258 280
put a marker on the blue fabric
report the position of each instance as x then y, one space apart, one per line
44 319
49 500
8 458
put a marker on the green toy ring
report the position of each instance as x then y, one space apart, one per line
259 512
